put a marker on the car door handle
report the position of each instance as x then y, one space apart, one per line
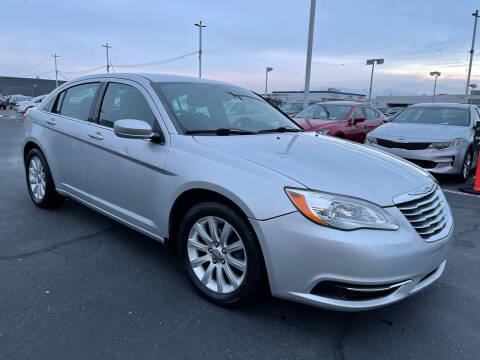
96 136
51 122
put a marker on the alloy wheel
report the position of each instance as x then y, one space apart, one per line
36 178
467 163
217 254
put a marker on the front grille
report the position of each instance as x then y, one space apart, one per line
403 145
426 214
426 164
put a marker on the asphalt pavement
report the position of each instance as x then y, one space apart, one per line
76 285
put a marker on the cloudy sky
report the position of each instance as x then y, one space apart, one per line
243 37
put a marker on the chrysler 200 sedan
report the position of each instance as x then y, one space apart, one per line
437 137
248 202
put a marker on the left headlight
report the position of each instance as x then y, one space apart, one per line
340 212
444 145
322 132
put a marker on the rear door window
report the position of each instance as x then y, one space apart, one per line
358 112
370 113
77 101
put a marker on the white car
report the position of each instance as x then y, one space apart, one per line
23 106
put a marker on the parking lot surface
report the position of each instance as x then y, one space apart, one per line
77 285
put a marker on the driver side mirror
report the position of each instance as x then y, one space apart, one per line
133 129
358 119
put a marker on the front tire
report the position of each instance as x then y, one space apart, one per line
466 166
39 181
221 254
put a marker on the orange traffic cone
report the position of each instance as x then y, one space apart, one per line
476 184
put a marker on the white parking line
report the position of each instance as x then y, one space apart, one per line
460 193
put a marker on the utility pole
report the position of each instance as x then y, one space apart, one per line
106 46
200 26
55 56
311 25
266 79
436 74
472 50
372 62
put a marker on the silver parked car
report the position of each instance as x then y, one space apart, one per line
246 201
23 106
437 137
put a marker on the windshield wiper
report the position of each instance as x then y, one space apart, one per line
220 132
280 129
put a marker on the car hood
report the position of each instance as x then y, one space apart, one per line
317 124
326 163
421 132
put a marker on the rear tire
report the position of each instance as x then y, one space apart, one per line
228 269
40 185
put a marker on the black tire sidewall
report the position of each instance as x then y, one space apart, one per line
254 282
51 198
468 153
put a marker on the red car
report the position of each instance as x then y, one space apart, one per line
349 120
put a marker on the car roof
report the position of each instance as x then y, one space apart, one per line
452 105
151 77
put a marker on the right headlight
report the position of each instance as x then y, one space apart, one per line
444 145
340 212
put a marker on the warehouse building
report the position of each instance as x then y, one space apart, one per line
26 86
318 96
405 100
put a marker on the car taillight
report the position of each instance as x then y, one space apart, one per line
24 117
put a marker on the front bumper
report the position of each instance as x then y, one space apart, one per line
436 161
300 255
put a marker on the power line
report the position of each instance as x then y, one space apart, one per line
160 61
388 24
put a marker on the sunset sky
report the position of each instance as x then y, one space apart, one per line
243 37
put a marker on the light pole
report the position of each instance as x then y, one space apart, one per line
372 62
266 79
473 86
106 46
308 68
436 74
472 50
200 26
55 56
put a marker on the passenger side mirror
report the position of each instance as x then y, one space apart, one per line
133 129
358 119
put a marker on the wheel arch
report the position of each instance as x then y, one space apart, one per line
192 196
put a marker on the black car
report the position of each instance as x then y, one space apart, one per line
3 102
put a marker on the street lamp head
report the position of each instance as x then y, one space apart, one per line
473 86
435 73
269 69
373 61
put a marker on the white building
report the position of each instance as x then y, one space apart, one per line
318 96
405 100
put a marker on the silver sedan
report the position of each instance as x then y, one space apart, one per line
437 137
245 196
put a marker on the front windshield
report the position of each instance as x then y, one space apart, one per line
325 112
433 115
292 107
198 107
